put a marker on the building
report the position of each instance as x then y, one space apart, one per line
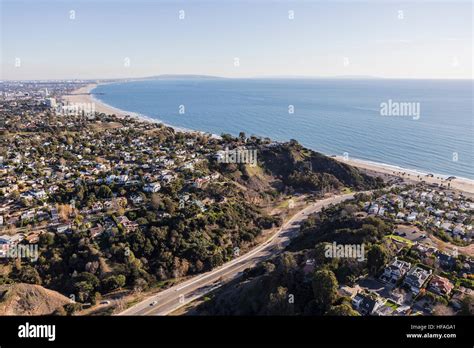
152 187
366 304
63 228
96 231
11 240
374 208
446 261
416 278
394 271
440 286
50 102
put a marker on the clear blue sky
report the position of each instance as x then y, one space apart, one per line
432 40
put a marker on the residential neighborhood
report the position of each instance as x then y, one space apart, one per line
433 266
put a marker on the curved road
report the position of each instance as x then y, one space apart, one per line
183 293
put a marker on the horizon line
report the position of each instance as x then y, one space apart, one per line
204 76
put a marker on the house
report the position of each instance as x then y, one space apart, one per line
54 214
458 230
96 231
425 253
199 182
33 237
415 278
383 310
188 165
446 261
366 304
467 268
128 225
63 228
347 291
152 187
96 207
40 194
439 213
394 271
440 285
447 226
122 219
411 217
459 295
374 208
398 296
11 240
215 176
28 215
402 311
400 216
137 199
167 178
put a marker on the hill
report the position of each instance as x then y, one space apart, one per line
29 299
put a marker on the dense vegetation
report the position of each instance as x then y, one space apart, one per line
282 286
172 239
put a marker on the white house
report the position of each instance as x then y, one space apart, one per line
394 271
152 187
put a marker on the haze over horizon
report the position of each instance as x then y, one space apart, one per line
111 39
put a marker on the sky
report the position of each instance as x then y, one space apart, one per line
85 39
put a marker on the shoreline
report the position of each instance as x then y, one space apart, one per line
411 175
84 95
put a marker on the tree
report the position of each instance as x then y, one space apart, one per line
377 257
140 285
467 306
104 192
324 288
114 282
342 310
280 302
46 240
28 274
86 285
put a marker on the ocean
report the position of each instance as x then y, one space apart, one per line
423 125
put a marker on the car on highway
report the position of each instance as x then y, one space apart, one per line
153 303
104 302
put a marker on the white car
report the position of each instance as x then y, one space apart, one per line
153 303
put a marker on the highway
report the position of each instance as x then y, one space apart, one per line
183 293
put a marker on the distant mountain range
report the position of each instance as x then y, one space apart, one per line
192 76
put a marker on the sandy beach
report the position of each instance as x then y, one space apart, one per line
83 95
411 176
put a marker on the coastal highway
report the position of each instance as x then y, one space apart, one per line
183 293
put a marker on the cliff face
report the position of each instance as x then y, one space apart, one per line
28 299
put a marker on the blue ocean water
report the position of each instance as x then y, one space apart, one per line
332 116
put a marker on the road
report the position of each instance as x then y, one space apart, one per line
183 293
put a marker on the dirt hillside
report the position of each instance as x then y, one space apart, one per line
28 299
